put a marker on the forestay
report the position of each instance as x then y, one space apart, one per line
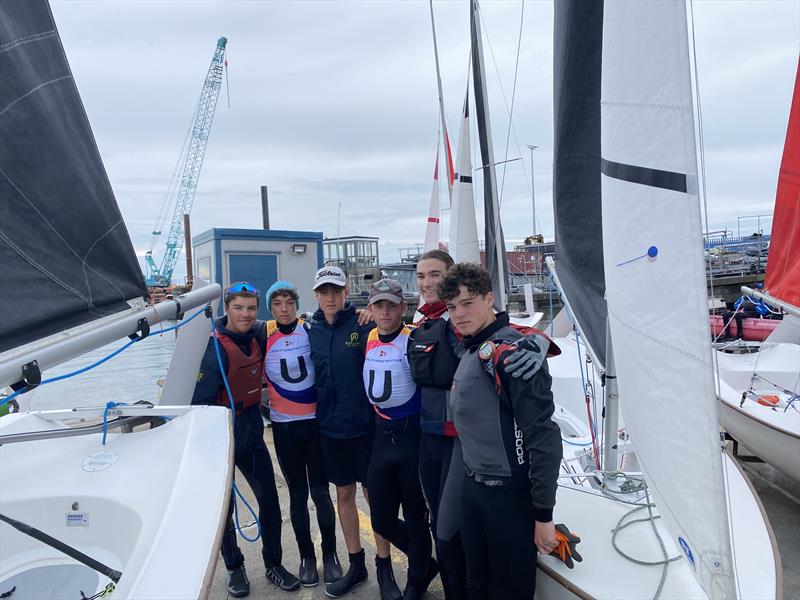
651 240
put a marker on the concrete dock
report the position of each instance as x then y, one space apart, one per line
779 494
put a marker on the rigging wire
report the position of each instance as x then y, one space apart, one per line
513 96
505 100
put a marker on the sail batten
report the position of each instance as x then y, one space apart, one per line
63 242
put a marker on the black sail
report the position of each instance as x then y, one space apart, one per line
65 252
496 258
577 54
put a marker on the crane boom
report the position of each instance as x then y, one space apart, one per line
161 275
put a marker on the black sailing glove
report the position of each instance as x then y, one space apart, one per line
527 356
566 551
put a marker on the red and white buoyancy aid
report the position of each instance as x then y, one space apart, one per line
244 374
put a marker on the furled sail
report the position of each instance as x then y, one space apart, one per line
496 260
66 254
576 167
463 227
783 263
652 237
432 228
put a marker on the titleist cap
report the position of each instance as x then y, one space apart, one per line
332 275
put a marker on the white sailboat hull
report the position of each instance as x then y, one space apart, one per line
606 574
154 511
772 434
593 515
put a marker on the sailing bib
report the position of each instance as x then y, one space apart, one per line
290 374
387 377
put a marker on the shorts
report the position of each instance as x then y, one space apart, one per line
346 460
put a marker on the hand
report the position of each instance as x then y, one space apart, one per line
544 536
528 356
364 315
566 546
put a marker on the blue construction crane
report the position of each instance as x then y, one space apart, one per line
201 128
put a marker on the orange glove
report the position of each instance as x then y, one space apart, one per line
566 551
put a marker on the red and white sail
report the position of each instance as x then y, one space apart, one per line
432 230
783 264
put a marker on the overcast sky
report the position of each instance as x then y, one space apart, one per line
335 102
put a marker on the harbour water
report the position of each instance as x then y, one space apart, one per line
129 377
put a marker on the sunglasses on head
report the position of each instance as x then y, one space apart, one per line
242 286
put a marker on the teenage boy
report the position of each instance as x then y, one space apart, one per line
345 421
289 373
241 350
433 354
394 466
511 446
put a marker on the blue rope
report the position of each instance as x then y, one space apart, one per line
102 360
566 441
109 406
235 492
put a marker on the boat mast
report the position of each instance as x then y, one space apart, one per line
495 243
450 172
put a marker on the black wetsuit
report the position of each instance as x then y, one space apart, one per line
433 354
510 479
251 456
394 467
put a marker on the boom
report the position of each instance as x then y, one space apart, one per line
161 275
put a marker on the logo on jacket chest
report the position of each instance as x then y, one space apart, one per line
353 341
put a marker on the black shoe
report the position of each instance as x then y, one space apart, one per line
356 575
238 584
309 576
282 578
385 576
331 567
416 589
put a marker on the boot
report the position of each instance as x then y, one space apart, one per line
238 584
282 578
356 575
331 567
385 576
415 590
309 576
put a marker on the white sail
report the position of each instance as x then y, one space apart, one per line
432 229
652 239
463 226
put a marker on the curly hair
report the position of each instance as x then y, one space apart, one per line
438 255
472 276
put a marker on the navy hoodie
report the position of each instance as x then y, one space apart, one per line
337 351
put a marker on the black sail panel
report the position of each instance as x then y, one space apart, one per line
496 258
577 56
65 252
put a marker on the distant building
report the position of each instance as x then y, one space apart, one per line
260 257
357 255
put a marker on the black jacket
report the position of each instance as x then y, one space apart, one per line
337 352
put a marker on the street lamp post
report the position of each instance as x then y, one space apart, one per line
533 192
